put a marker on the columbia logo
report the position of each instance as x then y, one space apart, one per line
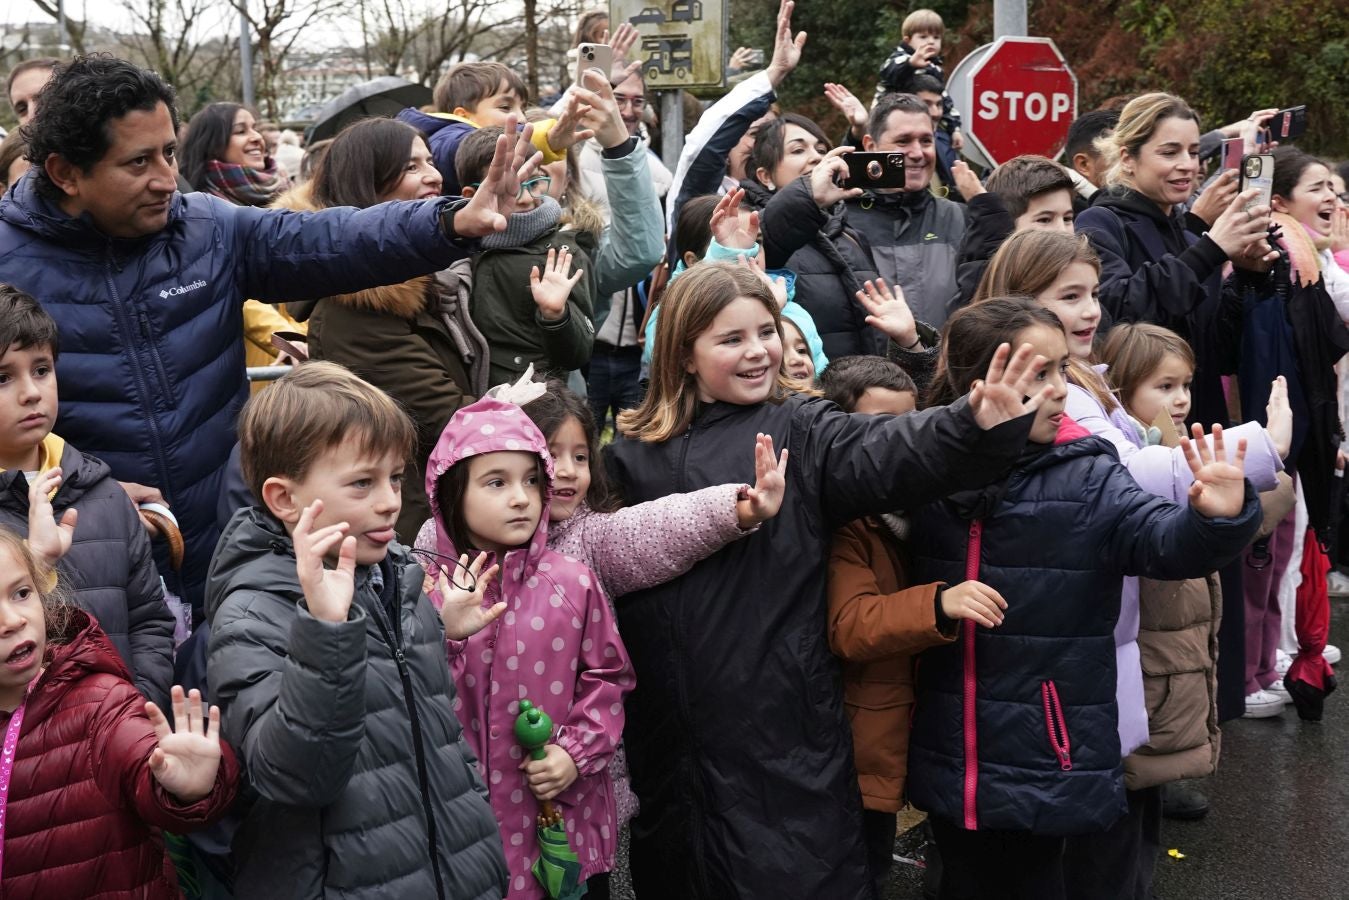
930 236
181 289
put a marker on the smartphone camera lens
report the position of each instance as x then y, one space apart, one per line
874 170
1253 168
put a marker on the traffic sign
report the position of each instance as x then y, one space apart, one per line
682 42
1017 96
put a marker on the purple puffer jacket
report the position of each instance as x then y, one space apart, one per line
1162 471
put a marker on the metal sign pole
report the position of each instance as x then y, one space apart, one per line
1009 18
246 62
671 127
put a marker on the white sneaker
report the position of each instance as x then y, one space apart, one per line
1282 663
1278 690
1332 654
1337 584
1263 704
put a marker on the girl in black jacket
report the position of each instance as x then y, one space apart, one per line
1015 741
738 744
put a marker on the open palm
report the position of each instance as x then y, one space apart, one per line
1005 393
461 610
188 755
1219 488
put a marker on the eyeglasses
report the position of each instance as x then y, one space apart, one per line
637 103
1344 198
535 187
435 563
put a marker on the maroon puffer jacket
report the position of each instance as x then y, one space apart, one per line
84 812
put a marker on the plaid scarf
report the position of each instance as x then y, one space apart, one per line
243 185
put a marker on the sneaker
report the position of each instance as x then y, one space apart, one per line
1279 690
1263 704
1282 663
1182 800
1337 584
1332 654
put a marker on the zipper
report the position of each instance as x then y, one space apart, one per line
1057 725
127 328
395 642
970 710
683 459
158 361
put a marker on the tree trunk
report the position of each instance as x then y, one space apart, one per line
532 47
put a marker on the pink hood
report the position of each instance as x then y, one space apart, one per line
490 426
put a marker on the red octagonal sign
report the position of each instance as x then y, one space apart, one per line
1023 97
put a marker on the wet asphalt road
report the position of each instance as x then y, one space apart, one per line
1278 825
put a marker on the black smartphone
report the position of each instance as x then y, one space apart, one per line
874 170
1288 123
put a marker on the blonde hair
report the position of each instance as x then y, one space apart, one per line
926 21
318 406
1028 263
1134 350
56 606
686 311
1138 121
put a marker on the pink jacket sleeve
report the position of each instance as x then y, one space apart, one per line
592 729
651 543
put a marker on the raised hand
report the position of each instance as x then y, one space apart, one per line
777 285
621 41
763 501
975 601
1217 197
786 49
48 539
827 176
188 754
551 775
461 610
967 182
1219 488
739 60
726 225
1279 417
327 592
554 287
888 312
565 132
1241 232
1004 393
513 162
847 103
601 115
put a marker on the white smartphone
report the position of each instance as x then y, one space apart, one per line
594 56
1257 171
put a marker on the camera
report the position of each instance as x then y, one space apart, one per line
876 170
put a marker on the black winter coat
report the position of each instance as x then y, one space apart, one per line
987 225
1055 540
110 568
1154 269
360 783
830 259
738 744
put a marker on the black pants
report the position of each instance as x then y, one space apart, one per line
998 865
597 887
1117 864
1232 643
879 830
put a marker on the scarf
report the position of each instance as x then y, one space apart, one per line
243 185
526 227
1301 249
452 290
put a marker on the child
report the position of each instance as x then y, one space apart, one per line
1014 740
553 331
329 663
92 772
476 95
919 53
110 569
878 621
1024 192
737 738
553 639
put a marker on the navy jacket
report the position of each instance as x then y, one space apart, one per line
1055 539
151 330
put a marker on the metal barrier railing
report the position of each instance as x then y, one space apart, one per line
267 373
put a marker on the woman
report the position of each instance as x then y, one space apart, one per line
413 340
805 229
224 155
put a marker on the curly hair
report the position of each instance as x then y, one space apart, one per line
78 103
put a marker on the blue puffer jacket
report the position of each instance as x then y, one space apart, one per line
152 360
1042 752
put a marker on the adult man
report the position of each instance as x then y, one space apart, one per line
914 236
25 82
630 95
147 285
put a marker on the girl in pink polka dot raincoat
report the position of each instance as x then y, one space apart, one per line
555 643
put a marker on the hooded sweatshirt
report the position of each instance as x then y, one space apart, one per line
556 644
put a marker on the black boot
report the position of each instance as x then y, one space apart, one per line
1183 800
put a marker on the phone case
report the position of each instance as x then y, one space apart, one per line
594 56
877 170
1257 171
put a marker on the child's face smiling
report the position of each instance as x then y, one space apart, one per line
1165 391
796 358
737 359
571 469
503 500
1049 343
494 110
23 629
1073 298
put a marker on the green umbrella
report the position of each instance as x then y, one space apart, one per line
558 869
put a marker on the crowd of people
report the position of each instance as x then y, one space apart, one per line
782 502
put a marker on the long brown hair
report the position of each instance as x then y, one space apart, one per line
687 310
1028 263
973 335
1134 350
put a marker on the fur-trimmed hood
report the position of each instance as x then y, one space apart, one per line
404 300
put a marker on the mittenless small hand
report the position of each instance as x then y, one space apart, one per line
1219 488
187 757
1005 393
47 538
975 601
461 610
551 775
554 287
763 501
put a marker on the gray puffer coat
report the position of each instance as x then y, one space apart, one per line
361 785
109 569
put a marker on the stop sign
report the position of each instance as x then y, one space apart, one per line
1021 98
